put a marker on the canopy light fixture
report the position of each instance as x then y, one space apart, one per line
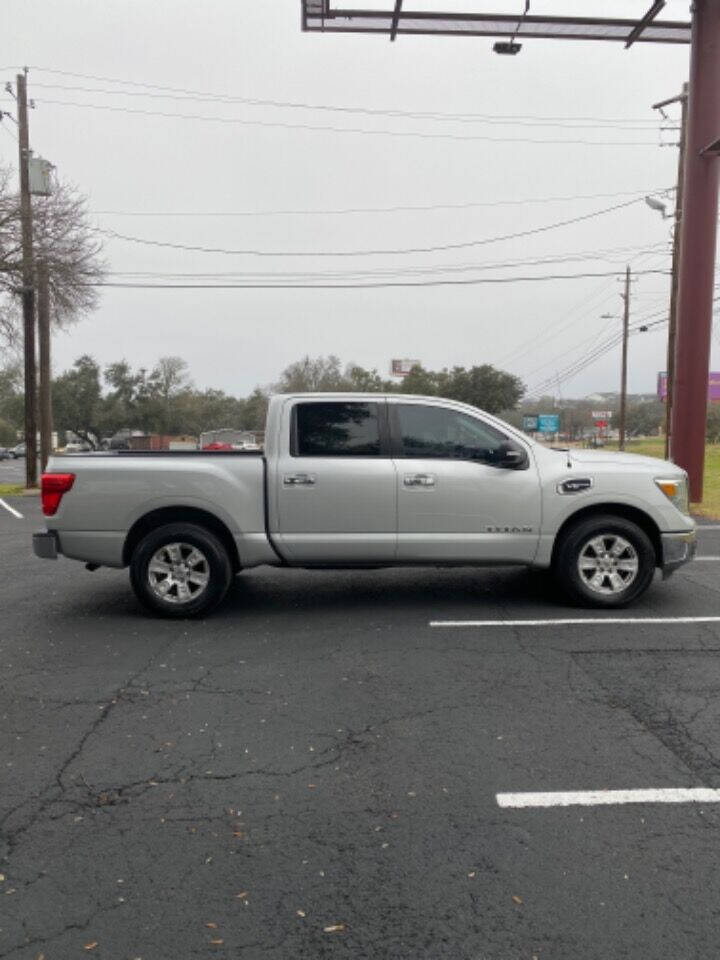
508 47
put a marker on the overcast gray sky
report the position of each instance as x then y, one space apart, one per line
140 163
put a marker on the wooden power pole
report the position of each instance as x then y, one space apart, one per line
45 406
28 287
623 374
672 324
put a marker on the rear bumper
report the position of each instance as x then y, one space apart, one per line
677 549
45 545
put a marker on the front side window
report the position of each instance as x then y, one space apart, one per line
337 430
427 431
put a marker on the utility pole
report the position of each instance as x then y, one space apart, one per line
28 288
45 407
623 374
696 263
672 325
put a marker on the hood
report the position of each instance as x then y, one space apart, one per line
627 459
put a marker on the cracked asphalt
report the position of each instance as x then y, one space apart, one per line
311 773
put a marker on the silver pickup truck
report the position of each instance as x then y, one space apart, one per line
369 480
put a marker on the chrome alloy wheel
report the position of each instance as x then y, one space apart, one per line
178 573
608 564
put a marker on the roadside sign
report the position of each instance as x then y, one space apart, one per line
602 414
530 423
401 368
713 386
548 422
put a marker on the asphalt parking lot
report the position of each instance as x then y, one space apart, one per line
317 771
12 471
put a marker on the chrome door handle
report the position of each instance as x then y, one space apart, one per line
419 480
299 479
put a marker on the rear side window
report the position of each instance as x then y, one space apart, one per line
336 430
427 431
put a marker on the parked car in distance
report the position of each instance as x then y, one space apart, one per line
5 454
17 451
369 480
78 447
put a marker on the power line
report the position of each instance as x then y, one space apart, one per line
372 210
360 286
300 105
573 369
323 128
364 253
607 255
609 292
568 123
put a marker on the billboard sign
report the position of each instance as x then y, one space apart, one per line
530 423
548 422
401 368
602 414
713 386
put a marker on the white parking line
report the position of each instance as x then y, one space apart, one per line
591 798
11 509
708 526
715 559
571 621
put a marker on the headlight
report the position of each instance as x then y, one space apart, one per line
676 490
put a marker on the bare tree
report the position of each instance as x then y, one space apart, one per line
64 240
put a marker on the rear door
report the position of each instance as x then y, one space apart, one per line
334 483
454 505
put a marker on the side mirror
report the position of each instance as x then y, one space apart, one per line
511 456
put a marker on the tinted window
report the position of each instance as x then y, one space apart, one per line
337 430
436 432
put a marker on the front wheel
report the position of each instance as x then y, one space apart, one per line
605 561
180 570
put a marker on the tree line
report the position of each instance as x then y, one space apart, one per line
96 402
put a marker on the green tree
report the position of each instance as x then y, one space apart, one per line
484 386
255 410
312 375
643 419
11 403
77 400
420 381
713 423
126 402
367 381
167 385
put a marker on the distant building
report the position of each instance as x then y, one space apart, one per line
156 441
228 436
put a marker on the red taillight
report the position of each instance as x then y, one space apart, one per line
52 487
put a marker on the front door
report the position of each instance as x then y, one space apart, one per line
335 484
453 504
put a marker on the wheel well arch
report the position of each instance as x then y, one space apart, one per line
624 510
164 515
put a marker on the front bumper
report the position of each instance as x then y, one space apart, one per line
677 549
45 545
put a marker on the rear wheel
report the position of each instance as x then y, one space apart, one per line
180 570
605 561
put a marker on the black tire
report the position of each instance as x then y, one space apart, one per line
204 581
574 576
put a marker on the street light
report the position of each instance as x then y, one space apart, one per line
658 205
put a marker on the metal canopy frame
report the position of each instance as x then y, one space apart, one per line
326 17
701 182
